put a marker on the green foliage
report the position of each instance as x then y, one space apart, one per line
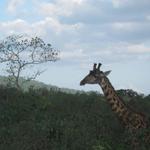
48 120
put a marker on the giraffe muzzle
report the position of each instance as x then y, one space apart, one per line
82 83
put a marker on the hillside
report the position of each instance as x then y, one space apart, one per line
41 119
126 93
36 85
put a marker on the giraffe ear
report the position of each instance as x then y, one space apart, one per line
107 72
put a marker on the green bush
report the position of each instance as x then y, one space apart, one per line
48 120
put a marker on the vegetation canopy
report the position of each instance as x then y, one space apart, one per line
19 53
44 119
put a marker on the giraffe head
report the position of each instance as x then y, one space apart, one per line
95 75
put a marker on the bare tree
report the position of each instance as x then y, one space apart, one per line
20 52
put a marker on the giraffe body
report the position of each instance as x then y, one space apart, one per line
130 118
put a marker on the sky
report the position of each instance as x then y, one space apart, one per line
113 32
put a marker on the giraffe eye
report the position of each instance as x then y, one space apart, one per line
91 72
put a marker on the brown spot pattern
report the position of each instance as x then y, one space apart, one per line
130 119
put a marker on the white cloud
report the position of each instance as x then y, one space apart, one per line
11 27
130 3
125 48
73 54
40 28
105 40
13 5
138 48
126 26
119 3
59 7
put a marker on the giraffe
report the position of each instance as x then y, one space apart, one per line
131 119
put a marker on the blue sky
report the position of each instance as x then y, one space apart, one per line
113 32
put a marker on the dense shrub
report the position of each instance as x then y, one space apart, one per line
49 120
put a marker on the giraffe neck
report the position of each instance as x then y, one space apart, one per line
117 105
130 118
